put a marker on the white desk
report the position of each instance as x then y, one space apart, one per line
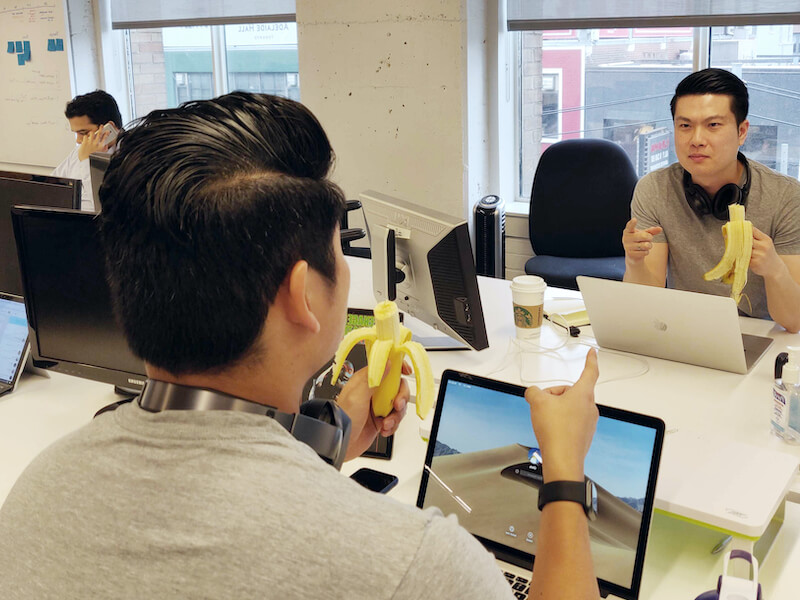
678 563
689 399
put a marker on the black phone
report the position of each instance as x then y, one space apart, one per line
377 481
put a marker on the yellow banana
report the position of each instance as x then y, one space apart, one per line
732 268
389 341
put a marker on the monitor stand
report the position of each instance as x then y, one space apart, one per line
430 338
30 367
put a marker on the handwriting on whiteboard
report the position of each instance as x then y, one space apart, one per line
41 11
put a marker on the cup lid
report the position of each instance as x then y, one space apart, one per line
528 283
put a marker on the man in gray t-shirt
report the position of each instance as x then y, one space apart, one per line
220 228
675 233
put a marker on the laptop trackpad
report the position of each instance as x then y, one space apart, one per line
754 348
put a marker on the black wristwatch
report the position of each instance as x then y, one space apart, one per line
582 492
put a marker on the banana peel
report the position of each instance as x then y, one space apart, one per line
735 262
389 341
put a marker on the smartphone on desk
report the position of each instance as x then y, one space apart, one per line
377 481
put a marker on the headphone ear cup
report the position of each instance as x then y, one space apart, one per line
696 197
726 195
329 412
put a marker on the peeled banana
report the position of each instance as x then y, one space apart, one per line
389 341
732 268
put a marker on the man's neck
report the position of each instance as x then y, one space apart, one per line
712 186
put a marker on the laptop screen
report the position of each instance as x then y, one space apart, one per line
483 465
13 338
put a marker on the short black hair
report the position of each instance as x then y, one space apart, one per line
715 81
205 209
98 105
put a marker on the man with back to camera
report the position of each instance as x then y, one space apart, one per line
87 114
220 228
667 239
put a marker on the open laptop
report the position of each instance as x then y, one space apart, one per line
687 327
14 345
483 465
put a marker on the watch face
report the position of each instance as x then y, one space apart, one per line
591 499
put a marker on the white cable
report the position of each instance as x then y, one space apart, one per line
516 350
642 361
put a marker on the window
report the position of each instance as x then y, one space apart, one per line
170 65
617 83
262 58
192 86
766 58
551 96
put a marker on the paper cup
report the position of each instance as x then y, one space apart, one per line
527 294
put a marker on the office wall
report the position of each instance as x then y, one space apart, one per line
396 85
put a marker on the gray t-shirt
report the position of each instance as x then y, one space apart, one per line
696 243
220 505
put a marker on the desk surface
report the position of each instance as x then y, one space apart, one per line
678 563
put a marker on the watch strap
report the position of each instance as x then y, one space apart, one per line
571 491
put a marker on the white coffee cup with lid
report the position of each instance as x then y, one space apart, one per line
527 294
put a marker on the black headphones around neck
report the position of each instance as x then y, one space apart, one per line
321 424
730 193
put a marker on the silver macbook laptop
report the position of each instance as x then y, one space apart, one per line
483 465
687 327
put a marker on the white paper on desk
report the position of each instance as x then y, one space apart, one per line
567 311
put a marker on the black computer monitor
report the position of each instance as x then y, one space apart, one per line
70 317
34 190
422 259
98 163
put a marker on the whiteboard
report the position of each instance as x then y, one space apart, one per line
34 84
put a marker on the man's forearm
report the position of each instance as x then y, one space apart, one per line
638 272
563 568
783 300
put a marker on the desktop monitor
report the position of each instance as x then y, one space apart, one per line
98 163
29 189
70 316
422 259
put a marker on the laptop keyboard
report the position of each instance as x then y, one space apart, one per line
520 585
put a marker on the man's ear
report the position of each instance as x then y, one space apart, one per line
744 127
296 291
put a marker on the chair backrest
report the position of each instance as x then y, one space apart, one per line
581 199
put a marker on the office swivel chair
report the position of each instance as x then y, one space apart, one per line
580 203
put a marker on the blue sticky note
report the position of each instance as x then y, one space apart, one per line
19 47
51 45
27 51
59 45
20 59
11 46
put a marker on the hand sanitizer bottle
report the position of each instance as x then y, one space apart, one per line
791 385
780 410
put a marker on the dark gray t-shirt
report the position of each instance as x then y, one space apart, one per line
220 505
696 243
